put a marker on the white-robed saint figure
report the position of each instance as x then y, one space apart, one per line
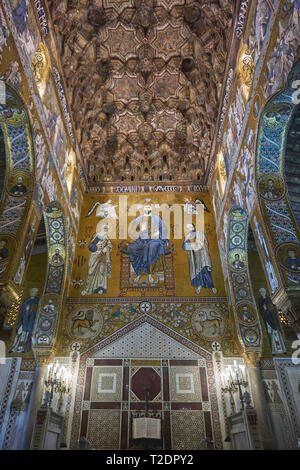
99 263
199 259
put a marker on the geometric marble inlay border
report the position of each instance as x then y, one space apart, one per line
79 417
120 300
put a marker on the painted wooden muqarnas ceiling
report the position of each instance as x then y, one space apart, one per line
144 80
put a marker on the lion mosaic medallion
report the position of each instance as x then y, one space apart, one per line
209 321
84 322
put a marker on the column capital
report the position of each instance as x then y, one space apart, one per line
43 356
252 358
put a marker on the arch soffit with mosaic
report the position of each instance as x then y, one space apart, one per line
272 193
243 303
18 187
50 305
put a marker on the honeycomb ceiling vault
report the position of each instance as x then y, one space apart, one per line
144 80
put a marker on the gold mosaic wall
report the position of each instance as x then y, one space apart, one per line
177 264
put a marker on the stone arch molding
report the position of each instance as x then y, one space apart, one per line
272 191
50 305
243 303
19 181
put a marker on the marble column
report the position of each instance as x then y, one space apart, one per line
217 362
34 404
259 400
42 359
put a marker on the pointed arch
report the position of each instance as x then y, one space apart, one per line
243 303
18 182
51 301
272 191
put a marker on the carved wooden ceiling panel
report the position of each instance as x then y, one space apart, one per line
144 80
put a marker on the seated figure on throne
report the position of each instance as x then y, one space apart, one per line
149 248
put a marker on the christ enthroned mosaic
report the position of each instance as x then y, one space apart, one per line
145 247
162 276
146 261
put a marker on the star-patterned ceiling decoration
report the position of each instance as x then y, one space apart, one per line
144 79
